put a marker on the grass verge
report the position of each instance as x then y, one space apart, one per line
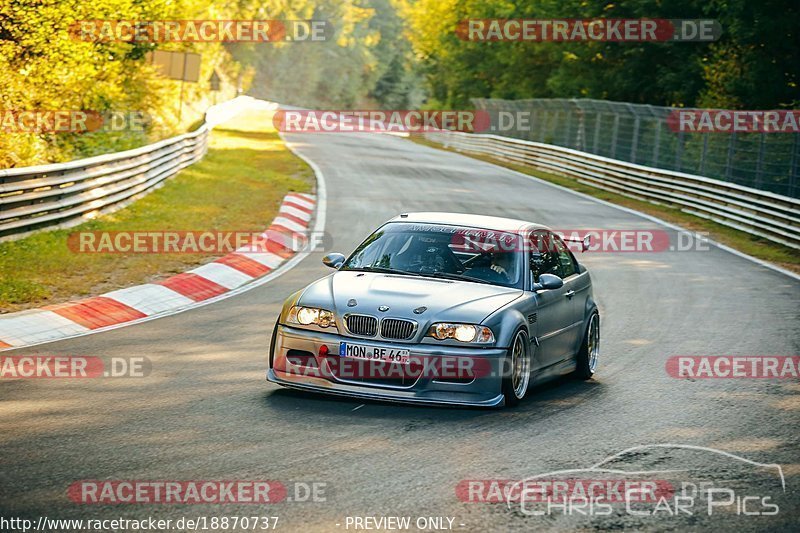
758 247
238 186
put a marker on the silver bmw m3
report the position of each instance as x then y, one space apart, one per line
441 308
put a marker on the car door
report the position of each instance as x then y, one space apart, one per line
554 309
576 292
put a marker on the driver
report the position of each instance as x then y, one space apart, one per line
502 263
427 254
499 269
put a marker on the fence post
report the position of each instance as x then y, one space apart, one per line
679 152
702 168
614 136
596 132
580 141
568 129
518 132
794 164
760 162
544 125
656 142
729 160
533 123
635 140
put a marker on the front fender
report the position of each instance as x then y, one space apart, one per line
504 324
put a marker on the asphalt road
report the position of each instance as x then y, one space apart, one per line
205 411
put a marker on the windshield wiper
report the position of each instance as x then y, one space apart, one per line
446 275
384 270
442 275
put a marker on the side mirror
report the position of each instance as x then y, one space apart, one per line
333 260
585 243
548 282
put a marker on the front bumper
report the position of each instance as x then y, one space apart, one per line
482 391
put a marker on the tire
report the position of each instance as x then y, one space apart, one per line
589 352
272 343
517 369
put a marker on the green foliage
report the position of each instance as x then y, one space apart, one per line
369 61
43 68
753 65
388 53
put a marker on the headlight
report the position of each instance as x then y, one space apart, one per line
306 316
461 332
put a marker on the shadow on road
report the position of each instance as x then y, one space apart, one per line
544 400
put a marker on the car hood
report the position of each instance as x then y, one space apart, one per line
445 300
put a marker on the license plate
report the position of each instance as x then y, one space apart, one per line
373 353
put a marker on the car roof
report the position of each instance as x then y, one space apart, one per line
464 219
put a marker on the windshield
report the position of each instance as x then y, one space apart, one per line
452 252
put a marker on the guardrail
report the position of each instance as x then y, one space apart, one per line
66 194
757 212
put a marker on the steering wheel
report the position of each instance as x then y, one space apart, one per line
481 257
449 263
488 274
